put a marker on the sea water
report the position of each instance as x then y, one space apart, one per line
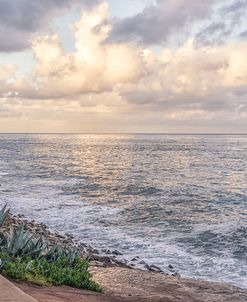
170 199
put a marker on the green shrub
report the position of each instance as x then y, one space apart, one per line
42 272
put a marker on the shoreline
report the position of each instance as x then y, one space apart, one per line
122 279
106 257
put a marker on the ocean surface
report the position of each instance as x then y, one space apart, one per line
170 199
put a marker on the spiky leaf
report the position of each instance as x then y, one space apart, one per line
3 214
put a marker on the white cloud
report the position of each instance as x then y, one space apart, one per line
93 67
125 85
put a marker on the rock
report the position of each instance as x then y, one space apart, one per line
66 241
155 268
147 267
96 263
94 251
176 275
43 226
95 256
117 253
107 252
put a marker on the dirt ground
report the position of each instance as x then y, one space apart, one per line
122 284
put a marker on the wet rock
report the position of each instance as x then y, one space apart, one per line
66 241
117 253
94 251
59 236
176 275
155 268
107 252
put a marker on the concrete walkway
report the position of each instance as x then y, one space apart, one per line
10 293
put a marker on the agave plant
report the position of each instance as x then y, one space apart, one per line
36 248
71 256
20 243
3 214
3 240
17 241
54 254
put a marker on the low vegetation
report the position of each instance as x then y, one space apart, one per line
29 259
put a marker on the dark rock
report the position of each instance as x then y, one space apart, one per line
117 253
108 252
176 275
94 251
147 267
155 268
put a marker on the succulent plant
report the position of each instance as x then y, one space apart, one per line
36 248
55 253
2 240
71 256
3 214
17 241
20 243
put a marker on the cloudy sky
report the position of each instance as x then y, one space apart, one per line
123 66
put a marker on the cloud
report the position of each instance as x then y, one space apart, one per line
214 33
166 21
157 22
191 79
22 19
243 35
93 67
126 86
226 24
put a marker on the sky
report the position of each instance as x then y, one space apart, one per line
132 66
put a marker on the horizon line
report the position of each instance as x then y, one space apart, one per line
126 133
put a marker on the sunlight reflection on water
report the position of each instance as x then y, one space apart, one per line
179 200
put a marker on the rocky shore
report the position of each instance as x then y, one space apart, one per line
122 280
101 258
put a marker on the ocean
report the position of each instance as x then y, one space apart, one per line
170 199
